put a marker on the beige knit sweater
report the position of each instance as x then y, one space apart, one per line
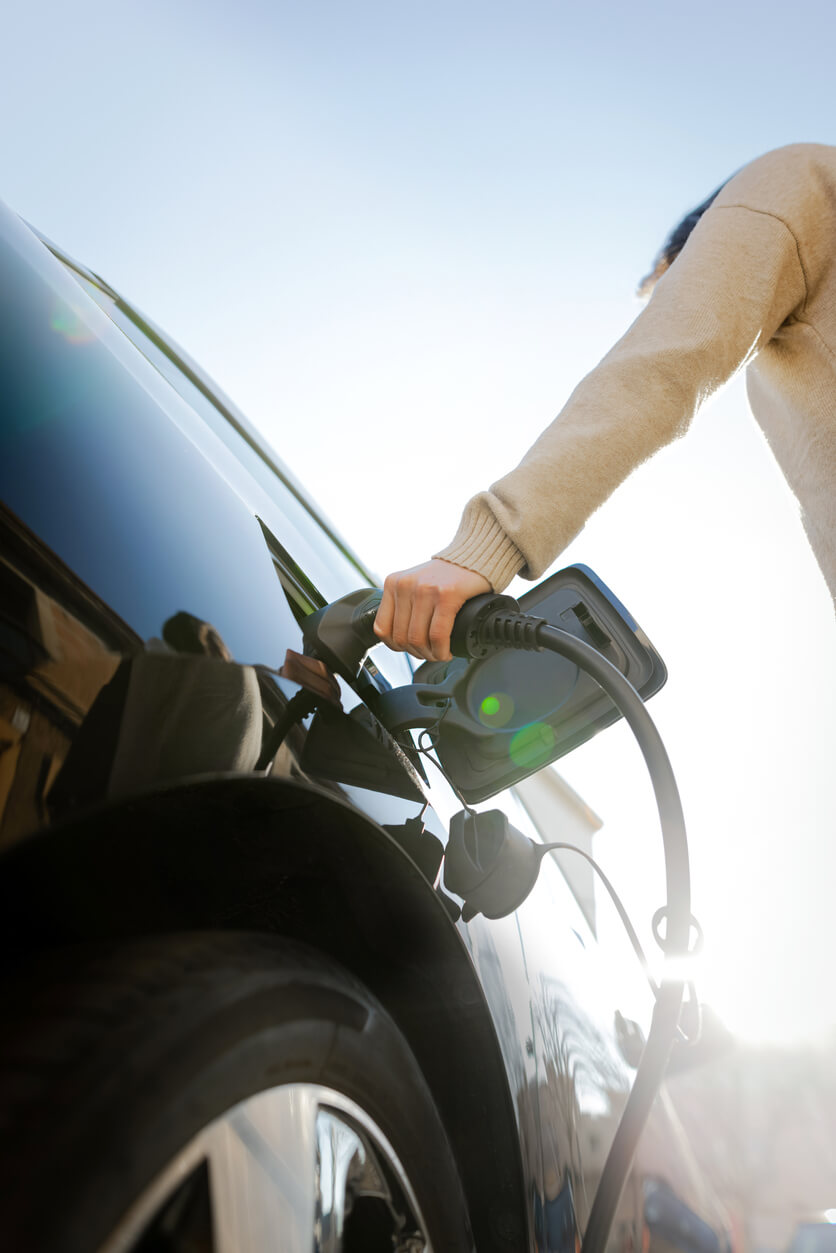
754 285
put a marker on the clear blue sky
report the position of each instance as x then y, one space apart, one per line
398 234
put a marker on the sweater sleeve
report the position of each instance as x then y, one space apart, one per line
737 281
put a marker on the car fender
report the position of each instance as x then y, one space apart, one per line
289 858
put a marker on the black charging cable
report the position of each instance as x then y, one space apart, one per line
487 623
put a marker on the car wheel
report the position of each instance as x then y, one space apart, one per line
220 1093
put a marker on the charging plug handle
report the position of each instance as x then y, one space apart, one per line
340 634
490 622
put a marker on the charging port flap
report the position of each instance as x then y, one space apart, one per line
511 713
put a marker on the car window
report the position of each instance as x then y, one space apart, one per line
190 382
97 464
319 570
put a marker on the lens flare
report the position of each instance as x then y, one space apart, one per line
69 325
532 746
496 710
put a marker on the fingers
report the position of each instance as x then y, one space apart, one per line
385 617
419 606
403 630
405 613
441 625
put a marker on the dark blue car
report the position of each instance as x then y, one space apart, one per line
240 1011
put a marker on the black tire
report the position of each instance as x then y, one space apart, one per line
122 1058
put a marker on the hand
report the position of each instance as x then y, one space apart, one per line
419 607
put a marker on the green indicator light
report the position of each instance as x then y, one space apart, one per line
496 710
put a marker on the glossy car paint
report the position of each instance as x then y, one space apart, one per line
156 561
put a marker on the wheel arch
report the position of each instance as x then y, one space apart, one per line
290 859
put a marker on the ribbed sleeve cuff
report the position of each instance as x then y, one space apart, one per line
480 544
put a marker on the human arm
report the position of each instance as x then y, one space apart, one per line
738 279
736 283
